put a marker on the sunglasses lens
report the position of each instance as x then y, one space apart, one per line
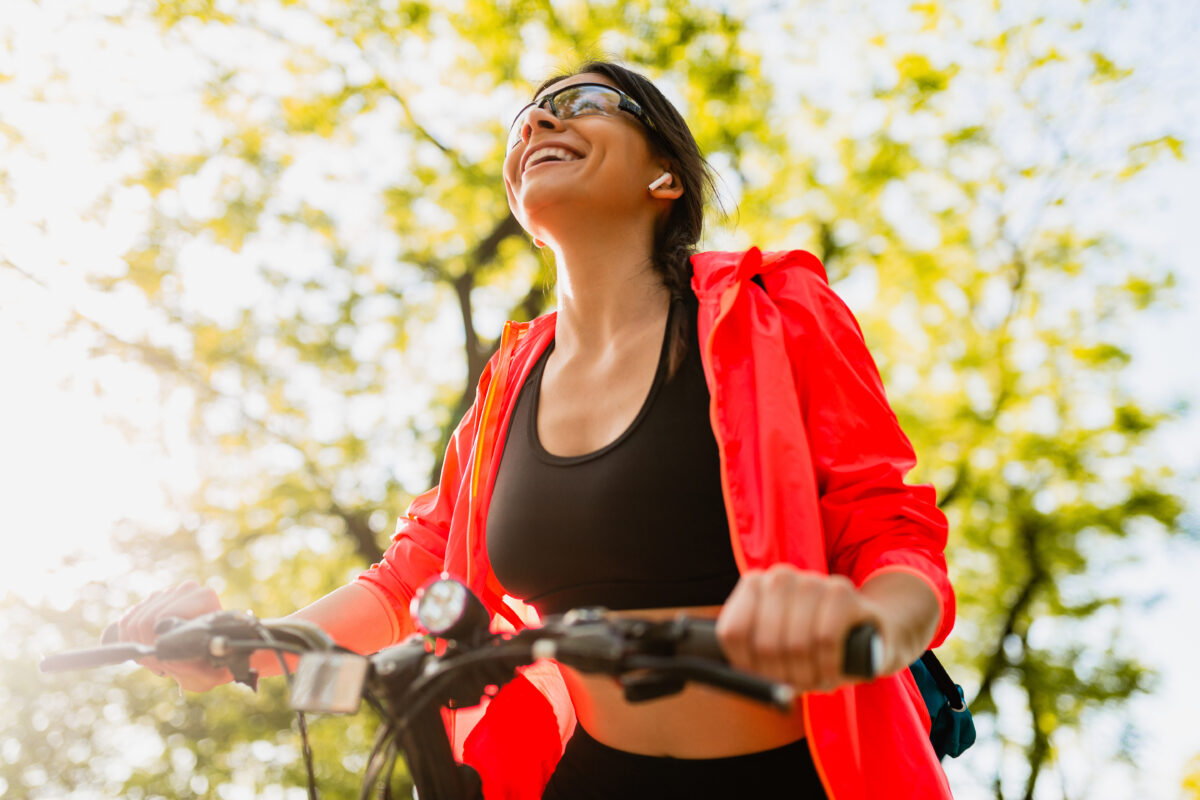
583 100
573 101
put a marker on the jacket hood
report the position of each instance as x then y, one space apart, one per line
716 270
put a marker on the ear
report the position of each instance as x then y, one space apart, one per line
666 186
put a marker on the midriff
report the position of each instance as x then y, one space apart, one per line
698 722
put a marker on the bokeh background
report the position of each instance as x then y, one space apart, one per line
253 256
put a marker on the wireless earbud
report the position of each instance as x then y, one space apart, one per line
662 179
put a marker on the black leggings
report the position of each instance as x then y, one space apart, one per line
590 770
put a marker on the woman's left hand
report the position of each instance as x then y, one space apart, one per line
790 625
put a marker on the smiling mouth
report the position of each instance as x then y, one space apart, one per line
550 155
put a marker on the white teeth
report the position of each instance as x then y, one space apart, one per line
549 153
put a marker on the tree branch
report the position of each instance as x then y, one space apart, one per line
998 660
359 530
1039 749
960 481
485 252
463 285
162 361
477 351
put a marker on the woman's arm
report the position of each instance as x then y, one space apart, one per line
874 523
884 539
909 613
354 616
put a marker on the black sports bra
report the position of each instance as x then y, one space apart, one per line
639 523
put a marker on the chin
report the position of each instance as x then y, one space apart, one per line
545 210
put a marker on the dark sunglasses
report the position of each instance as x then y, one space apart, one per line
579 100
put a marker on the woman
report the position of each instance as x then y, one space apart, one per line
707 434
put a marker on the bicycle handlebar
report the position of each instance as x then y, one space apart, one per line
222 638
862 654
103 656
686 647
650 658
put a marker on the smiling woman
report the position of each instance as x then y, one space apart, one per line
701 431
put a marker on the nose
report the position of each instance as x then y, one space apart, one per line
541 118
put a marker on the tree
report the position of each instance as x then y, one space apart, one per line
326 260
1191 782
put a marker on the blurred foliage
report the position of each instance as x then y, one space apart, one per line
347 177
1191 782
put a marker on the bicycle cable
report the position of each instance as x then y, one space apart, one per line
279 648
375 763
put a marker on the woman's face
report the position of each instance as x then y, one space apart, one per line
600 165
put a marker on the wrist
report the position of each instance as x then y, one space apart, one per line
908 612
266 662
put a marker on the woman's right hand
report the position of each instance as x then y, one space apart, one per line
185 601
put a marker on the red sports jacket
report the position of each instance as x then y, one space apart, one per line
812 467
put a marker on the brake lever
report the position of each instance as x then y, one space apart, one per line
208 638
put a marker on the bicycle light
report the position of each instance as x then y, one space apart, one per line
447 609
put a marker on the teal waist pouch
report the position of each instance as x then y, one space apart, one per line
951 728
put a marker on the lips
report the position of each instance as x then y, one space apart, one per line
548 153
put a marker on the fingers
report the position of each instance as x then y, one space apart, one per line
190 600
790 625
798 639
773 624
185 601
735 624
132 624
197 676
836 612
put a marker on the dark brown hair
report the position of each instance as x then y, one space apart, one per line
676 238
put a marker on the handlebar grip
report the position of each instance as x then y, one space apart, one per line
184 644
864 651
94 657
700 639
862 656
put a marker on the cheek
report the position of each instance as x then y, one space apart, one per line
513 204
506 174
512 201
511 186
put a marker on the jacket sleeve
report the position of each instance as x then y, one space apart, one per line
873 521
418 548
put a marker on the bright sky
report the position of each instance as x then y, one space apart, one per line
68 475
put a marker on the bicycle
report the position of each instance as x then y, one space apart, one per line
455 663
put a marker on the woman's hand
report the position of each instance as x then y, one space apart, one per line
186 601
790 625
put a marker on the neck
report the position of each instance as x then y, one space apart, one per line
607 288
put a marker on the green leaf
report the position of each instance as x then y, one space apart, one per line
1104 69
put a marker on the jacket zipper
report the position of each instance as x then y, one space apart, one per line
484 439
